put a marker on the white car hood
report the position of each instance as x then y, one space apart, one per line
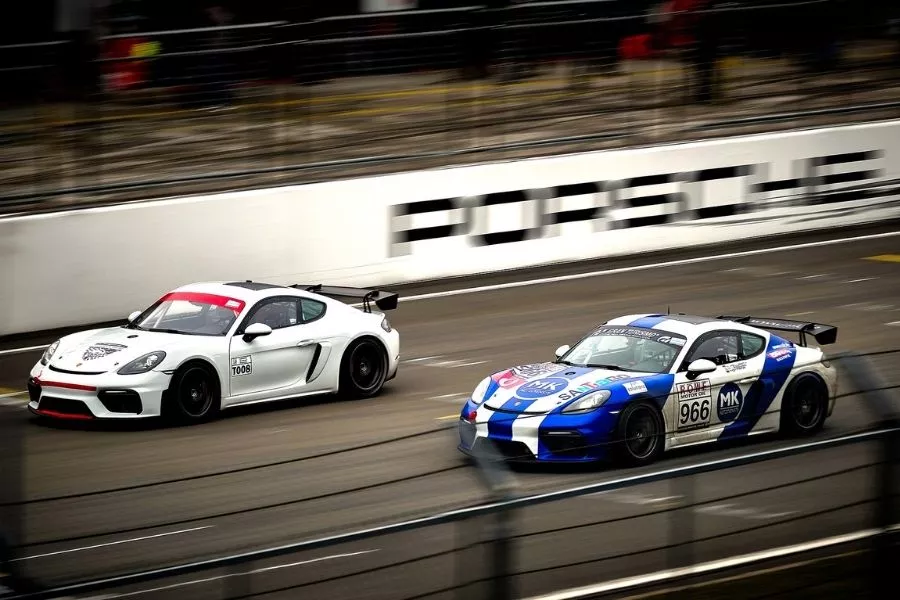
108 349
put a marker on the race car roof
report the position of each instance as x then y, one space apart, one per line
247 291
687 325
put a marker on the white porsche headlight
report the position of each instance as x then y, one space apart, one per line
480 390
142 364
49 352
591 401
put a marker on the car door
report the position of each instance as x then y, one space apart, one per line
275 364
707 404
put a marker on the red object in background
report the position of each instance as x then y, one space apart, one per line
127 73
636 47
673 32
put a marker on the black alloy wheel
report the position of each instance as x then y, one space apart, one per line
364 369
804 406
195 395
640 435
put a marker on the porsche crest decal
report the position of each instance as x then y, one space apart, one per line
100 350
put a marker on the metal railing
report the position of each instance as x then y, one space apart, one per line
515 544
213 109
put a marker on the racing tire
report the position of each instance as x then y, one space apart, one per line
194 395
805 406
640 434
364 368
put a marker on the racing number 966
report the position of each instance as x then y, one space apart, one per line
694 412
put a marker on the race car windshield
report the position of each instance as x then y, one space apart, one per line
627 349
190 314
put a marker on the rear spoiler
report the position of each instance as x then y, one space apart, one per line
382 299
824 334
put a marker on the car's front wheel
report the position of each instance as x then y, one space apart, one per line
193 396
640 434
364 369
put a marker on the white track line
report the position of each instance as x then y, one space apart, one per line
245 573
708 567
590 274
660 265
116 543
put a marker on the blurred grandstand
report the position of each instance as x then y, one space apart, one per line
128 99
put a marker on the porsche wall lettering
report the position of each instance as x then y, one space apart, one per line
662 198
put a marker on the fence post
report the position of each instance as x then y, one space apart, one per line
681 523
886 542
885 411
497 477
12 511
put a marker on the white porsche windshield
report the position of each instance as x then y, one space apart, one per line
626 349
190 313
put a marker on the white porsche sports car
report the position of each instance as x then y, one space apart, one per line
208 346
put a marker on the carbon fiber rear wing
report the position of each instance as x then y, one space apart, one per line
823 334
384 300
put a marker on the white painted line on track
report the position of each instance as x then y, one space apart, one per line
708 567
893 323
116 543
245 573
21 350
600 273
635 268
861 279
455 398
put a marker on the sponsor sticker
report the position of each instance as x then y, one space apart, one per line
729 402
635 387
692 390
542 387
101 350
732 367
780 355
539 370
590 386
241 365
508 379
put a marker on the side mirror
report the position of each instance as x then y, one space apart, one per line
701 365
256 330
134 316
562 350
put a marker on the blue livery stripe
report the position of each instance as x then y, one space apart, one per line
500 423
758 399
649 322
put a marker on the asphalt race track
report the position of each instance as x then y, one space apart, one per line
449 344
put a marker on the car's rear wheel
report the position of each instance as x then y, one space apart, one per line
363 369
805 406
194 395
640 434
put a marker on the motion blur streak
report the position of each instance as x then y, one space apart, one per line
502 327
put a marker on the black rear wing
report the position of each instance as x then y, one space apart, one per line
383 300
824 334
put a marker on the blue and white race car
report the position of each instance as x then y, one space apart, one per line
640 385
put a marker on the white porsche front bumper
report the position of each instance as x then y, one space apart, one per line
108 396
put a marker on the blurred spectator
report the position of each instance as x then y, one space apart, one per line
77 23
217 76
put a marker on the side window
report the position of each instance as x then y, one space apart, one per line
721 349
751 345
277 313
311 309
